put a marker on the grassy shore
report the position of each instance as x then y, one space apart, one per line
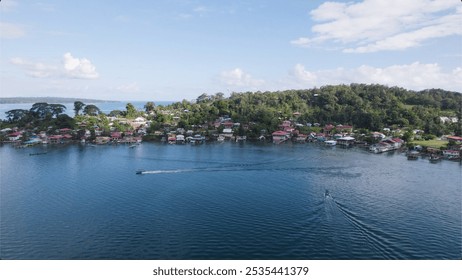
435 143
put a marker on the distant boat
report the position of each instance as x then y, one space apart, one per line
132 146
37 154
330 142
413 155
139 172
434 158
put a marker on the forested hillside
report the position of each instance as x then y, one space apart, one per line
371 107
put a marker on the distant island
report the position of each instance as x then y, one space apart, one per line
16 100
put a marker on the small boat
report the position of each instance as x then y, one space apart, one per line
413 155
330 142
139 172
132 146
434 158
37 154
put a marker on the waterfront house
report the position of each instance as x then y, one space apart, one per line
451 154
301 138
101 140
14 136
395 143
55 139
171 139
346 141
280 136
180 139
227 133
116 136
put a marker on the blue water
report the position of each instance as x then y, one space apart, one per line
226 201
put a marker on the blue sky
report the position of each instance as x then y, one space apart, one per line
179 49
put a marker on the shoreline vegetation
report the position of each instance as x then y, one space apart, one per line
378 117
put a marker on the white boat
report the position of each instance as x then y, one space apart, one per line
330 142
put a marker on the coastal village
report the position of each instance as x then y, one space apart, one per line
224 129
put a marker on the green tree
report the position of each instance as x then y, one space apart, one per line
91 110
78 106
57 109
131 112
149 107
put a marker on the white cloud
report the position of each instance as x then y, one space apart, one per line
11 31
416 76
79 68
376 25
71 68
34 69
301 74
237 77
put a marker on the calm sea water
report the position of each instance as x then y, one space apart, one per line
226 201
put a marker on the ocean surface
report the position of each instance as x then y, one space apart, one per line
226 201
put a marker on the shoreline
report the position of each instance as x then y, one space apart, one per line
422 154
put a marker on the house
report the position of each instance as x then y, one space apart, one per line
451 154
346 141
378 135
116 136
63 131
228 124
455 139
328 129
180 139
171 138
138 122
227 133
280 136
344 128
15 136
101 140
301 138
381 147
55 139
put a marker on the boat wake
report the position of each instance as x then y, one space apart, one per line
252 168
379 241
